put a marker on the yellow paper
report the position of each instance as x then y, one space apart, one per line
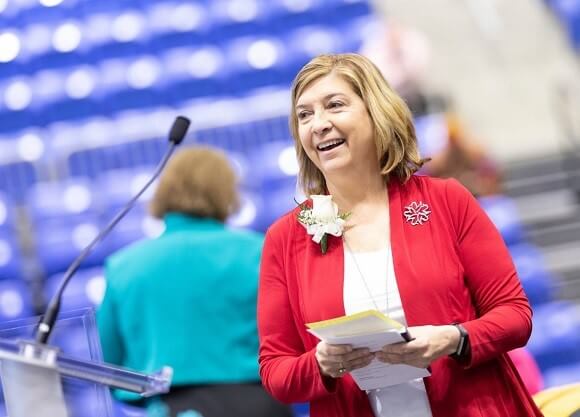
369 329
370 321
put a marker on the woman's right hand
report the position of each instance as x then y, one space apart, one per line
336 360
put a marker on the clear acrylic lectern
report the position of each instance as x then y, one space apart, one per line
66 378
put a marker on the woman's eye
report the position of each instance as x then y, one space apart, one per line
302 115
335 104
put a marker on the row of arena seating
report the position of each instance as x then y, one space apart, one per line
111 29
92 148
89 85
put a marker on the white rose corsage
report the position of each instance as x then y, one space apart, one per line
322 219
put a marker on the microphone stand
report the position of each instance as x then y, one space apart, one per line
46 325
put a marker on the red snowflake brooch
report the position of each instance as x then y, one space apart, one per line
417 213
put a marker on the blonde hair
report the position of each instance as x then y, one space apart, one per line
199 182
392 121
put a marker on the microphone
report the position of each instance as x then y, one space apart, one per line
46 325
179 129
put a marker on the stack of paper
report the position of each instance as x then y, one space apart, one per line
369 329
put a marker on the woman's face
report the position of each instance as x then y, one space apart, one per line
334 126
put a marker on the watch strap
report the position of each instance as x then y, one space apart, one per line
463 346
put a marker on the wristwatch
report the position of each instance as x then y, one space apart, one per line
463 346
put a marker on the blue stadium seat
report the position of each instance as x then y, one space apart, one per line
116 187
85 289
244 20
10 256
48 200
70 109
537 281
15 302
286 15
305 42
93 162
11 121
53 59
255 62
251 212
337 11
259 210
562 375
245 137
7 213
432 134
36 13
353 19
16 178
280 200
556 335
135 226
503 213
274 164
60 241
183 90
131 98
241 166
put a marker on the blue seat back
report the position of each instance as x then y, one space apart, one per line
556 335
85 289
11 261
537 281
15 301
60 240
503 213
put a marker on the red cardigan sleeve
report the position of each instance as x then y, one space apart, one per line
504 314
289 372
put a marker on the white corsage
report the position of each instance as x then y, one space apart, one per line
322 219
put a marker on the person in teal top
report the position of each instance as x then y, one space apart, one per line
187 299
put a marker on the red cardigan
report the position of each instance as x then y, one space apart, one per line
452 268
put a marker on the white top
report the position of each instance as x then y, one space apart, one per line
404 400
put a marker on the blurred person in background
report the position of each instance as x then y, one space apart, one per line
528 369
463 158
402 54
188 298
416 248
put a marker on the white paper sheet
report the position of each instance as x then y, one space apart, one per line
373 330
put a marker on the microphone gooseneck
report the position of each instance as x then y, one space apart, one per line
46 325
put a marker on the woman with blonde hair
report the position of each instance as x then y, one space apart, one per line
188 298
376 236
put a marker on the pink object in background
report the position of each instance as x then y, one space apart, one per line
528 369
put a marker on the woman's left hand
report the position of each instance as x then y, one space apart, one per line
430 343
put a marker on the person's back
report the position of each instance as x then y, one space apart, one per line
187 294
188 298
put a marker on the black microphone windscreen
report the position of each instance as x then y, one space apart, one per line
179 129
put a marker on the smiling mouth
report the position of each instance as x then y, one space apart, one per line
330 144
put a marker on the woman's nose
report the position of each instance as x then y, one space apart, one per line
321 124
